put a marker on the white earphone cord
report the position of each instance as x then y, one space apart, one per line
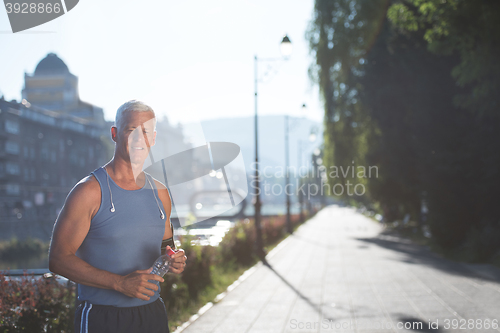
157 203
112 210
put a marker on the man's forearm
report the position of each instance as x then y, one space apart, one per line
79 271
136 284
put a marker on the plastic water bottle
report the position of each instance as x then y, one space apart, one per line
162 264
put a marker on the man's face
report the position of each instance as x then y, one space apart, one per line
135 135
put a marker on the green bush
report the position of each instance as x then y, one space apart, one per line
237 246
29 248
36 305
180 291
197 273
175 295
273 229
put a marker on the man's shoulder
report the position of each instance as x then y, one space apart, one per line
87 185
86 194
159 185
163 191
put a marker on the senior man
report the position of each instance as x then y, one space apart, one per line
113 226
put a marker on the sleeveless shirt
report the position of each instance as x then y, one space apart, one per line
124 241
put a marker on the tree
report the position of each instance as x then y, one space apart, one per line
469 30
340 34
416 96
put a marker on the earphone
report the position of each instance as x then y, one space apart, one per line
112 209
161 212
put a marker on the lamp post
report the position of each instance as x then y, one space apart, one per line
286 51
301 145
318 158
301 196
287 165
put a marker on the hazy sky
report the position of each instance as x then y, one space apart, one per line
191 60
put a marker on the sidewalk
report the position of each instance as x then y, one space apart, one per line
336 274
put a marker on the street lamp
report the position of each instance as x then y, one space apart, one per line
286 47
286 51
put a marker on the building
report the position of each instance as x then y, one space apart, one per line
53 87
42 155
48 142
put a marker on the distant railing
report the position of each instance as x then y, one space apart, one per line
21 272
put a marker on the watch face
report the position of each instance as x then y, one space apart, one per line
25 14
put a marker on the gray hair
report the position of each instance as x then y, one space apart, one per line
133 105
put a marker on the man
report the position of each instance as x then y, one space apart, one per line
110 231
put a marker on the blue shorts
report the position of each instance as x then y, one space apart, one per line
93 318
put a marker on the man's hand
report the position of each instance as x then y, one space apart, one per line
177 261
136 284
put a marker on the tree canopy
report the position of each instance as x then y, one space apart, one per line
412 87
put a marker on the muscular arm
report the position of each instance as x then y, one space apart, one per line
71 228
179 258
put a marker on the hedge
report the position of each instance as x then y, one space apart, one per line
45 305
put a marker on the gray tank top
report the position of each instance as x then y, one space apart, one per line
124 241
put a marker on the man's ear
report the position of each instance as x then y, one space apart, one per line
154 139
114 133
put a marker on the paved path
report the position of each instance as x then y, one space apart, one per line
336 273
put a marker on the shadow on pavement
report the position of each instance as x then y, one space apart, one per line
315 307
419 255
